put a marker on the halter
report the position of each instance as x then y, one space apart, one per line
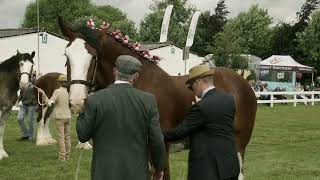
89 84
27 73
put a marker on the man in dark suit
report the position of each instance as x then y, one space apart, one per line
209 124
123 122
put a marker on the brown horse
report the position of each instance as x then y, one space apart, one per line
48 83
92 54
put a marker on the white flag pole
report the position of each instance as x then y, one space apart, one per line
192 28
165 23
190 37
38 33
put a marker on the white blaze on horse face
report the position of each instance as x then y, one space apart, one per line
79 60
25 67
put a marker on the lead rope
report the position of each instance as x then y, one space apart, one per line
40 103
78 163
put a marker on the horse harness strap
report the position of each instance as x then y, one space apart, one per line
89 84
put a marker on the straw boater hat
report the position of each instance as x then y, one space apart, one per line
62 78
198 72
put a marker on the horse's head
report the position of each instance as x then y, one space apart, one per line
26 67
82 61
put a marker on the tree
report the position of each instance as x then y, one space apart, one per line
248 33
75 12
227 46
49 11
283 41
150 26
112 15
209 25
253 27
309 42
303 16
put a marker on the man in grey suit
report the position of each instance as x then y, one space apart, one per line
123 122
209 124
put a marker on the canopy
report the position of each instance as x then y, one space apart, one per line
284 63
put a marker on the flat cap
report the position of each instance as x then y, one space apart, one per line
127 64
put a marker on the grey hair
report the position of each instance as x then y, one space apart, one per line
207 79
124 77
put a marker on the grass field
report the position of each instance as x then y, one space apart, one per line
284 146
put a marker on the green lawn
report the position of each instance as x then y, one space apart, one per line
284 146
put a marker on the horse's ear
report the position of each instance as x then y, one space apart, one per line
32 54
18 53
66 29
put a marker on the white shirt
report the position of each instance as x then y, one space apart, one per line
204 92
121 82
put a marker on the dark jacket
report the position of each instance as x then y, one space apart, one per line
28 96
209 125
122 121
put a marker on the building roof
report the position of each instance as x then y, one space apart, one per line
152 46
157 45
23 31
16 32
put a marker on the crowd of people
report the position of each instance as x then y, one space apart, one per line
263 87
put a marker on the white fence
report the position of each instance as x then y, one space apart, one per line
294 97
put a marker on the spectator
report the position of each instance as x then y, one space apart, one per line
264 88
300 96
62 115
28 107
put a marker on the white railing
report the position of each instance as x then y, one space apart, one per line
294 99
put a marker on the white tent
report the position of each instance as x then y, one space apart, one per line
280 71
284 63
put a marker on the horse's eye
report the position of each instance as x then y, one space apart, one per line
21 63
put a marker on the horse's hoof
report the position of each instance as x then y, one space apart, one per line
84 146
42 143
3 154
51 141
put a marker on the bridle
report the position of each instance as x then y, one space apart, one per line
90 84
27 73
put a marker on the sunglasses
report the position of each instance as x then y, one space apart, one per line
191 85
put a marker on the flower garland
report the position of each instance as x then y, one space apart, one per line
125 41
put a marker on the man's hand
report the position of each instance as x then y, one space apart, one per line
158 176
81 106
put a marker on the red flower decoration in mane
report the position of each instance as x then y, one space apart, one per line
136 46
146 53
91 24
155 58
117 34
125 39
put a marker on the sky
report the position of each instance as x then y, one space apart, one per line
12 11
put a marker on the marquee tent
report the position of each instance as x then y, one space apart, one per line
280 71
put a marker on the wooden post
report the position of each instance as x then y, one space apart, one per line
295 98
271 98
312 98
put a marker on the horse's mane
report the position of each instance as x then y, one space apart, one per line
9 64
90 36
13 62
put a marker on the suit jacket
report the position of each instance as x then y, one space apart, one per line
209 125
61 108
122 121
